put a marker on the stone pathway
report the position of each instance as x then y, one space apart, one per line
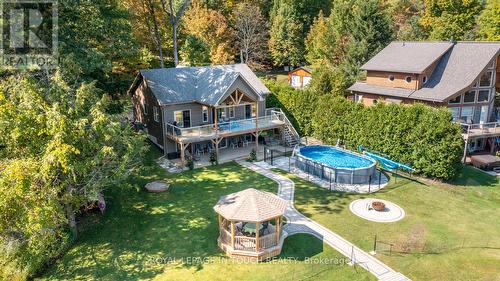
298 223
283 163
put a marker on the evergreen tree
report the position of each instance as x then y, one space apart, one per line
352 34
290 24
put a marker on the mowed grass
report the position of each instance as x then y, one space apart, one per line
173 235
451 230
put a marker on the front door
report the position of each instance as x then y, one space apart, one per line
186 118
248 111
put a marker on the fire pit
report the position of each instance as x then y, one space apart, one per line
378 206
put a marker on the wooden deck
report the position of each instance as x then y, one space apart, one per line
234 128
481 130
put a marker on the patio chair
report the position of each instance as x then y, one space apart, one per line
244 141
199 150
234 143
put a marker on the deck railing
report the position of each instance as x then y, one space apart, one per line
492 128
247 243
222 128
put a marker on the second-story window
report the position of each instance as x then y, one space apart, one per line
470 97
483 96
408 79
156 114
455 112
231 112
424 79
145 109
456 100
204 113
391 78
485 80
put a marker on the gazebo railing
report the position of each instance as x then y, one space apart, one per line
247 243
268 241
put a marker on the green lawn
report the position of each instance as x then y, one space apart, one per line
450 232
146 236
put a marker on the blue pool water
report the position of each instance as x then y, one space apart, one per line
334 157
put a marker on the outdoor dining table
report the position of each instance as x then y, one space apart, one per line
250 227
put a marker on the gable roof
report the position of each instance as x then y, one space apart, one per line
305 68
457 70
204 84
407 57
250 205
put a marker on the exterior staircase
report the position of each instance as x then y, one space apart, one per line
289 134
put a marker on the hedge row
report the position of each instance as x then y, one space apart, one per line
419 135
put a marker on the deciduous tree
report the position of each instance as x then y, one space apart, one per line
450 19
251 32
489 22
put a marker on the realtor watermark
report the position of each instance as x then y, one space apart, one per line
28 34
223 260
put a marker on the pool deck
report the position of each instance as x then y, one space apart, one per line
282 163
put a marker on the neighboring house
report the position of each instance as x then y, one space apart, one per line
202 109
462 76
300 77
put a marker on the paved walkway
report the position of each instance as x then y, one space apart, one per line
298 223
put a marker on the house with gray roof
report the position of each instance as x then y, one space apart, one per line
198 110
462 76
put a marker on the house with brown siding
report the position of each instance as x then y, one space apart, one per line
462 76
204 109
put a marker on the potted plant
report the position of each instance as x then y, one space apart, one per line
190 164
213 158
253 156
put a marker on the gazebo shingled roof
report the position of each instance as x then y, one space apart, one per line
250 205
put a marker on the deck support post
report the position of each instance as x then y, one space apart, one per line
257 234
183 156
232 234
465 150
216 142
277 221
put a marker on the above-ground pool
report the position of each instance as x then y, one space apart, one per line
335 164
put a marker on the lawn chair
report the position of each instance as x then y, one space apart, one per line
199 150
244 141
234 143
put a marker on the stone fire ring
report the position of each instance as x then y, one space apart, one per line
157 186
363 208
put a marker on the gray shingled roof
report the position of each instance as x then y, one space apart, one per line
407 57
456 71
206 84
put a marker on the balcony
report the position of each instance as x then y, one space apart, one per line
272 119
480 130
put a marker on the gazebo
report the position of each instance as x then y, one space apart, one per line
250 224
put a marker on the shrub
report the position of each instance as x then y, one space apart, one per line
213 158
252 157
190 164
